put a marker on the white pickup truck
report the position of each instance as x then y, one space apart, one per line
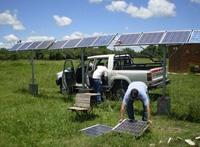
121 72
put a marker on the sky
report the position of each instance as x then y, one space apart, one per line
32 20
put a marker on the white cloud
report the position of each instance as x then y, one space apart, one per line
78 34
39 38
117 6
95 1
155 8
11 38
195 1
74 35
6 18
2 45
6 45
62 20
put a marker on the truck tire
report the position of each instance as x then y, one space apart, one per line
119 90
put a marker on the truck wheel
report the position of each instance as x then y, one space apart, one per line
119 90
119 93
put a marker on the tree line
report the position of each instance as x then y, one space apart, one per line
150 51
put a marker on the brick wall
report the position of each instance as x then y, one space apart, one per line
182 57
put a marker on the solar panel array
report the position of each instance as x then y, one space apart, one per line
128 39
15 47
176 37
25 46
103 40
195 37
135 39
168 37
86 42
135 128
97 130
151 38
34 45
72 43
45 44
58 44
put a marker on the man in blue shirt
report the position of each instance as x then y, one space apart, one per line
136 91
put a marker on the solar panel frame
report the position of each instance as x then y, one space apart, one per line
170 37
130 39
34 45
72 43
24 46
195 37
86 42
97 130
45 44
136 128
151 38
16 46
104 40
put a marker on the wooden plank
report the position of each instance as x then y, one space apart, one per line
78 108
83 100
82 105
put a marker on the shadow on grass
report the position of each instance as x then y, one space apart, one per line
81 117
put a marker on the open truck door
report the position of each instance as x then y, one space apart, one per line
68 77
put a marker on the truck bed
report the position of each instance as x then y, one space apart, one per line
146 66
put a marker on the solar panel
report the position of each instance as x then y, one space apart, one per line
97 130
25 46
128 39
34 45
135 128
86 42
58 44
151 38
72 43
103 40
195 37
15 47
45 44
176 37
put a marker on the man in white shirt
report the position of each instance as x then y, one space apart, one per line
136 91
97 80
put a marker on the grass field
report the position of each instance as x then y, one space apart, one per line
44 120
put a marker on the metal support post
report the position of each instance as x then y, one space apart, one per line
83 66
33 87
163 105
164 88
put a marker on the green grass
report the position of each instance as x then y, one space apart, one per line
44 120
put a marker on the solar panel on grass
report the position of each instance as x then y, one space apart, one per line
97 130
72 43
176 37
135 128
58 44
86 42
103 41
15 47
151 38
34 45
128 39
45 44
25 46
195 37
